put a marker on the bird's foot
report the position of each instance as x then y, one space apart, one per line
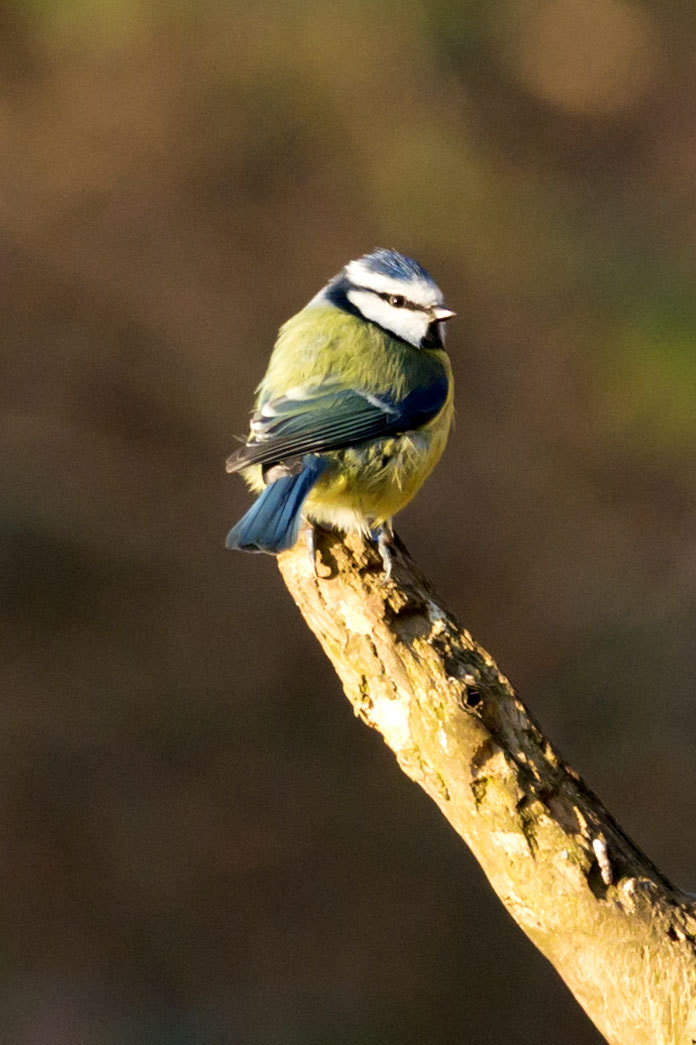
311 539
321 569
383 536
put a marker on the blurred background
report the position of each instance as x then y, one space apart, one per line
198 843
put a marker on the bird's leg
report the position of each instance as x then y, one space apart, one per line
311 539
383 536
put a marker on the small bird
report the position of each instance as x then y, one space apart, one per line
354 411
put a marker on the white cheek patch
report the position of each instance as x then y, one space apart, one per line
406 323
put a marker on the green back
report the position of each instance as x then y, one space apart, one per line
323 343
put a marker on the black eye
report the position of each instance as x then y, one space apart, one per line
397 300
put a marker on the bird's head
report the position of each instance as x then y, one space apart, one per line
396 293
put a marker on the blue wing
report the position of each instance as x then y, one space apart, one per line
320 418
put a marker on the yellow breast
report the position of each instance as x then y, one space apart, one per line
368 484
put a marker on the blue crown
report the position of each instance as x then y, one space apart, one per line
390 263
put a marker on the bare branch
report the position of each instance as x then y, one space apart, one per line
619 934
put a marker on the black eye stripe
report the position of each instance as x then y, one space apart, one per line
386 296
404 302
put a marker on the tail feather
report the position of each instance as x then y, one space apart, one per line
273 521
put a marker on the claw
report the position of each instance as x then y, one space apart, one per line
383 536
311 539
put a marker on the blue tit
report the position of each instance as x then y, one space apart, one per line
354 411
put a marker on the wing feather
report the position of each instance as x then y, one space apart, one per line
321 418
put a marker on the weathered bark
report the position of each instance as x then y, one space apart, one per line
620 935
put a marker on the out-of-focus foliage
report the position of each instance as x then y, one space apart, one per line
199 845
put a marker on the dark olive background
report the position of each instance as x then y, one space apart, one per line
198 843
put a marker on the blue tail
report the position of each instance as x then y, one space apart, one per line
273 521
